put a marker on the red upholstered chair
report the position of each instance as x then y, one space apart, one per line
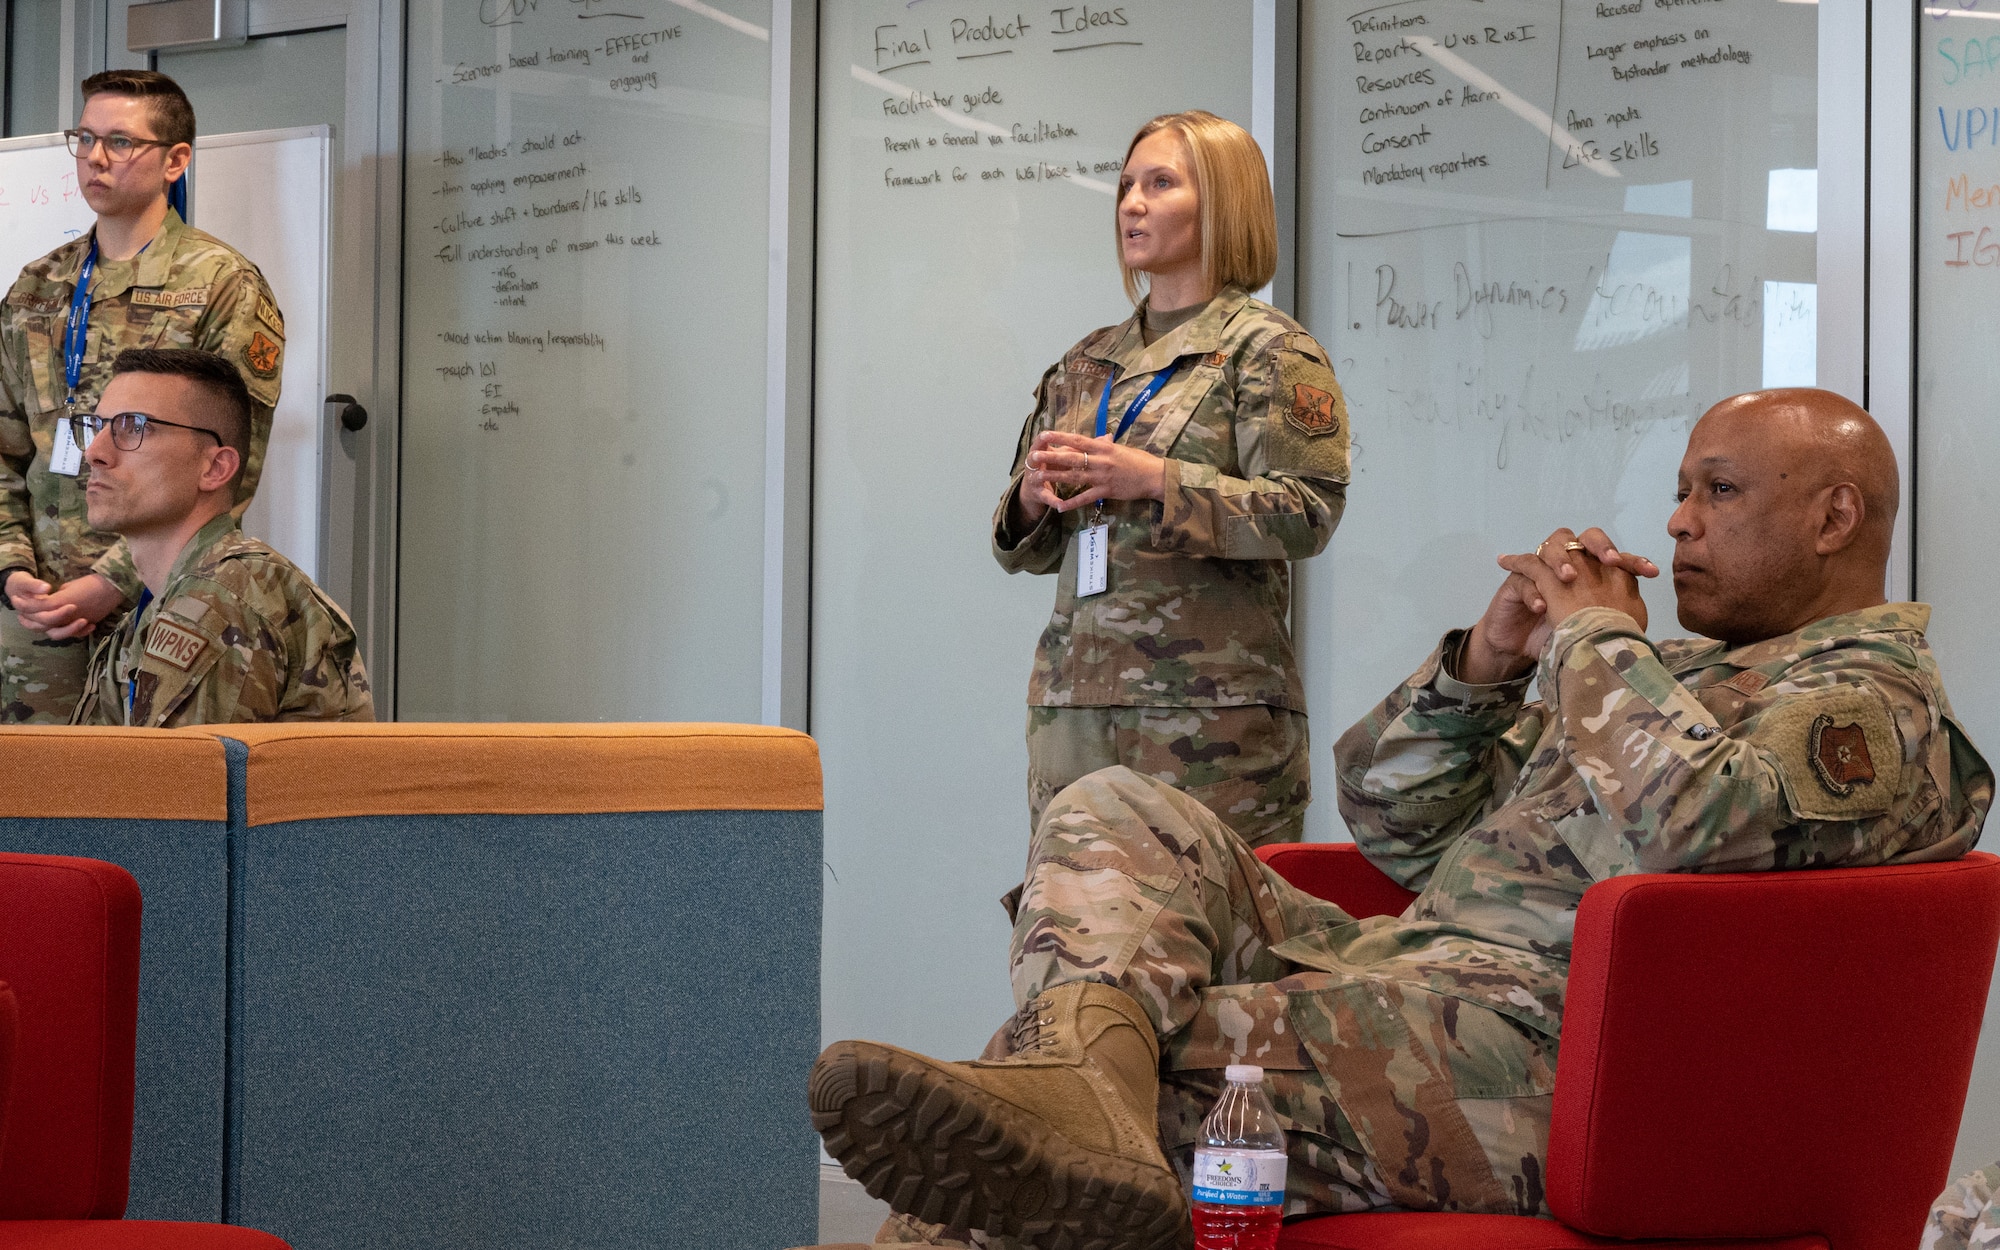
1769 1060
69 955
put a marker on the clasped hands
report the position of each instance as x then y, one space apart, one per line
1067 471
71 610
1567 573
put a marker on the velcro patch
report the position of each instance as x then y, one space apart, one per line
37 303
1215 360
268 313
1749 681
262 355
173 644
193 296
1088 368
187 608
1838 751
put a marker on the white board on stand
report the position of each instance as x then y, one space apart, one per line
267 193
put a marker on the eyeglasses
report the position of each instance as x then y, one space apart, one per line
128 429
117 148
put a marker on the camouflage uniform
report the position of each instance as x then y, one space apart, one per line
239 635
187 289
1183 667
1966 1215
1412 1059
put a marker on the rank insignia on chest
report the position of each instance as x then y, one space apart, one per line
177 646
1313 410
262 355
1839 756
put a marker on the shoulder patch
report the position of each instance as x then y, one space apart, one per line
1838 750
176 645
193 296
1313 410
262 355
268 313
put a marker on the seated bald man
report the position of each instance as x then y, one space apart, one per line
1412 1059
226 630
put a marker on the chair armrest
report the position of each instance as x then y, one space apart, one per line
1338 873
1794 1047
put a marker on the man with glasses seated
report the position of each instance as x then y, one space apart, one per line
141 277
226 630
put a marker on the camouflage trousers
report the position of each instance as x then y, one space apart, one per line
40 681
1249 765
1390 1094
1966 1215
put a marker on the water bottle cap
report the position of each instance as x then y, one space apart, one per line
1244 1074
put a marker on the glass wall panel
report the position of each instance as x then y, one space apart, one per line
34 66
968 167
1541 238
1958 441
585 267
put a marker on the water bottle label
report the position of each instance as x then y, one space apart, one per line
1243 1178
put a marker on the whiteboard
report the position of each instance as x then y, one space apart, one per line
267 193
585 271
1958 440
966 239
40 206
1541 237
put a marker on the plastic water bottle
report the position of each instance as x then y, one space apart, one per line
1239 1168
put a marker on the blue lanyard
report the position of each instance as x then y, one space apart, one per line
1138 405
132 686
79 323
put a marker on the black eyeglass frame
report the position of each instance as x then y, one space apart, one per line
75 140
84 426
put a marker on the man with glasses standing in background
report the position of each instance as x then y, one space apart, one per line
141 278
226 630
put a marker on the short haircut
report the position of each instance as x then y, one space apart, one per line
173 116
218 379
1239 220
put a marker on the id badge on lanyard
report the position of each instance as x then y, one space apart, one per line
66 457
1093 541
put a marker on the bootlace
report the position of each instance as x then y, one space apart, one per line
1033 1027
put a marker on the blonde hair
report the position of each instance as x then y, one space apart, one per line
1239 221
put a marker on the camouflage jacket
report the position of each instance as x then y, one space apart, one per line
186 289
239 635
1254 430
1966 1215
1831 746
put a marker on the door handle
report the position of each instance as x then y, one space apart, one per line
349 410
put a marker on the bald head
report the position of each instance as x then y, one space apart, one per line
1788 502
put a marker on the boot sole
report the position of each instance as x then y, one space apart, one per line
946 1152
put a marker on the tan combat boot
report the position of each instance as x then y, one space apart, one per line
1056 1144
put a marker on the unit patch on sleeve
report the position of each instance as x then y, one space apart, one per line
1839 756
261 355
177 646
1313 410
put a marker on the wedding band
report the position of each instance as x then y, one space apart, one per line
1086 462
1572 546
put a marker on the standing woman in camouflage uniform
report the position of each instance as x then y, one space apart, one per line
1174 466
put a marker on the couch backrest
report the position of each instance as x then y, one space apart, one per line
69 950
1769 1054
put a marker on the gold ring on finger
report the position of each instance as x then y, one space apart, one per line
1573 546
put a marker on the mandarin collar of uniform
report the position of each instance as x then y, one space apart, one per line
1884 618
1198 336
150 268
218 528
